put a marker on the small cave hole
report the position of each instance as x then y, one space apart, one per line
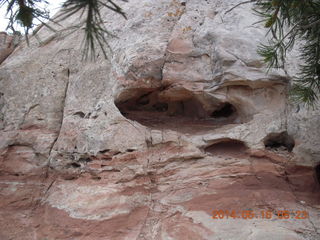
104 151
227 147
279 141
85 159
225 111
317 173
75 165
80 114
97 178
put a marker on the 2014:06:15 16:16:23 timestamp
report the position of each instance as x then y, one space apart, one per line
264 214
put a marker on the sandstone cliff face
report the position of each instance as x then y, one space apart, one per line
180 121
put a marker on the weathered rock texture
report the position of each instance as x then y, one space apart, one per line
182 120
7 45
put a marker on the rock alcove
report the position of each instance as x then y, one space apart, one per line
183 112
227 147
279 141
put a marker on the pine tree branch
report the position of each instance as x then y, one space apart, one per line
310 25
239 4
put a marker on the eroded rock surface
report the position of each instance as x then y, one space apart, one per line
182 120
7 44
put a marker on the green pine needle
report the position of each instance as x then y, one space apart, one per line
288 21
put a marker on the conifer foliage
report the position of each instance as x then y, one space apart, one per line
289 22
26 12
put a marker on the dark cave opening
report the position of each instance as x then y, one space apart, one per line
279 141
151 103
317 173
180 112
74 165
225 111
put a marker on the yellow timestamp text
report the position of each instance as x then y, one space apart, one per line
263 214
